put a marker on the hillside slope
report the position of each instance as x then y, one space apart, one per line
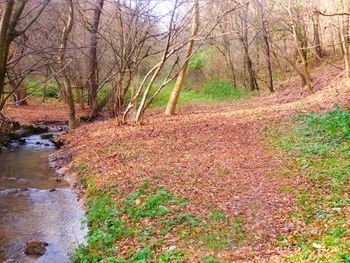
214 156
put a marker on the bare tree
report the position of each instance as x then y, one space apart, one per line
9 31
242 30
132 38
261 5
317 38
93 60
301 41
67 84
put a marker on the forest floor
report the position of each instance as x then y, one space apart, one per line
216 157
37 113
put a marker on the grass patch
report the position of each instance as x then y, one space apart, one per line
151 224
209 93
318 150
35 87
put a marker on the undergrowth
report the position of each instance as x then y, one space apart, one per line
317 149
151 225
210 92
207 93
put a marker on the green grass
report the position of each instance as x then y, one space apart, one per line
142 226
35 86
209 93
317 150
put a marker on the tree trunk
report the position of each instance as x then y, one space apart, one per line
141 108
302 48
171 107
67 87
10 18
231 67
4 47
345 41
93 63
253 84
341 43
70 102
261 6
317 38
244 38
268 62
20 96
80 92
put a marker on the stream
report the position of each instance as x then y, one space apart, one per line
36 205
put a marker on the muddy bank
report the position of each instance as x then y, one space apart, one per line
59 161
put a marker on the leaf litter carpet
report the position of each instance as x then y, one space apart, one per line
213 155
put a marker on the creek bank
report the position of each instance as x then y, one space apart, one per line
20 134
13 131
60 161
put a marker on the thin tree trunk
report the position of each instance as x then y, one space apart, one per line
342 52
261 6
333 43
253 84
141 109
93 63
268 62
345 41
232 68
171 107
317 38
68 93
80 92
252 78
302 49
70 102
293 64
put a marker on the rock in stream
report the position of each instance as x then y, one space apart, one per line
35 247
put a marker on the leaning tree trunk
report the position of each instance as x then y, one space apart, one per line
171 107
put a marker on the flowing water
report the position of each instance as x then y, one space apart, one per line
30 211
